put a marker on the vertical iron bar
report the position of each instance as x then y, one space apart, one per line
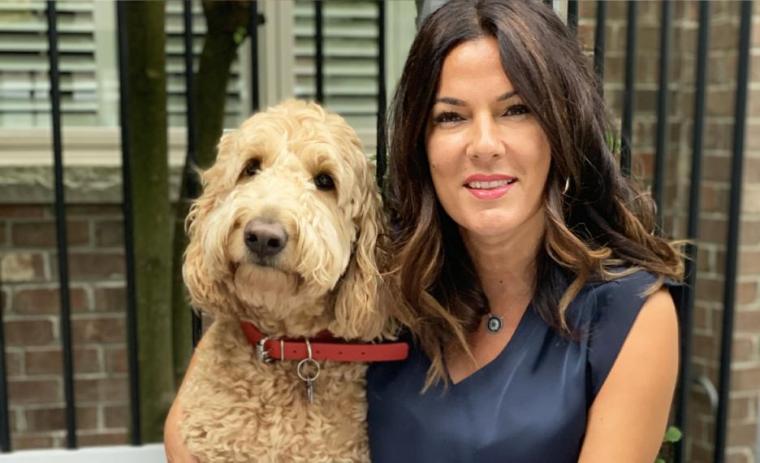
253 32
729 284
381 103
686 298
5 429
572 15
601 20
193 189
60 227
630 90
126 176
318 53
661 149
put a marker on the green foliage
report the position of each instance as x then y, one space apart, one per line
240 34
672 435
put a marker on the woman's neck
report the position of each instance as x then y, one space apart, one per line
506 267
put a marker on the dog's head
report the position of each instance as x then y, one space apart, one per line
285 232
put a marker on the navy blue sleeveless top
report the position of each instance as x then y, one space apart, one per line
527 405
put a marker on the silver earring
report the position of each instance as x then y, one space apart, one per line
567 186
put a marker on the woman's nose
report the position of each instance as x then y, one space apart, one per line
484 140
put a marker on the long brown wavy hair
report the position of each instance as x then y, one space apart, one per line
600 228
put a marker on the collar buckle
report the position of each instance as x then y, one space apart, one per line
261 351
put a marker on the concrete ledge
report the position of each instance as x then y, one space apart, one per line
153 453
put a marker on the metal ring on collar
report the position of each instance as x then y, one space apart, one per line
300 369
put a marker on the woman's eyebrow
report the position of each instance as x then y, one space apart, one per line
457 102
507 95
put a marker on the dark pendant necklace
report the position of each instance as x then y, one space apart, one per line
494 323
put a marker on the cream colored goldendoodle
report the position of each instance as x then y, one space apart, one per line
284 236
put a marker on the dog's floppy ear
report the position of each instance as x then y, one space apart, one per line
206 288
357 311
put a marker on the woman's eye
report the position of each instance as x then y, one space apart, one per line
447 117
251 168
324 182
517 110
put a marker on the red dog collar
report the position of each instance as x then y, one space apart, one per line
323 347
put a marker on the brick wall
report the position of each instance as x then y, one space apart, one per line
30 304
743 429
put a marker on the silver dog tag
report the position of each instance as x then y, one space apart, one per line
308 371
310 391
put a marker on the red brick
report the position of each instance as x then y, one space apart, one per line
100 439
34 391
751 199
743 408
14 363
746 292
747 322
86 266
109 233
703 346
41 301
116 360
749 262
98 330
116 416
745 379
103 389
737 455
50 361
714 197
43 234
708 289
742 434
743 350
713 230
45 419
750 232
90 210
26 442
110 299
29 332
720 103
22 266
22 211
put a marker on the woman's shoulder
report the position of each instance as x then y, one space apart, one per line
605 311
630 289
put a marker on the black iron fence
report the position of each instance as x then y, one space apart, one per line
686 297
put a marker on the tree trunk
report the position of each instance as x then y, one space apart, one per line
226 27
147 119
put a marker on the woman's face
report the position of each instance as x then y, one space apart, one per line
489 157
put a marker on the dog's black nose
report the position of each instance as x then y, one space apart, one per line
265 239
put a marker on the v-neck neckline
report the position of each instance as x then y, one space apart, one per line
512 344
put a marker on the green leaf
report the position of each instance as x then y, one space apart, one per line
660 460
673 434
240 35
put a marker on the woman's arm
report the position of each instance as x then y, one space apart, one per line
174 446
628 417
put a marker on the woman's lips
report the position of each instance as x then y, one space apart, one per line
489 187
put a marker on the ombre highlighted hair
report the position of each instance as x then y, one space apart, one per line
599 225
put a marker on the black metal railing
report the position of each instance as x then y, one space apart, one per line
685 299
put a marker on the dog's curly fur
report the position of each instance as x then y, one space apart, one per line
238 409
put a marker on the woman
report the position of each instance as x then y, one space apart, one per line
532 279
532 285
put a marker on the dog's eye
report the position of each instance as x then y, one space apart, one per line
253 166
324 182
